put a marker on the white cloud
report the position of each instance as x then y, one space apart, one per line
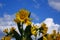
35 16
49 22
51 25
55 4
35 1
37 5
59 29
7 22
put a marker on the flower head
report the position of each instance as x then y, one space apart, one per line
21 15
5 31
34 30
12 29
27 21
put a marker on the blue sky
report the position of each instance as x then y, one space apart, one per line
40 9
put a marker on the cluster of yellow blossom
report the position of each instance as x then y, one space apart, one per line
6 38
34 30
5 31
22 15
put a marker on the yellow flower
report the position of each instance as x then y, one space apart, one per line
44 38
6 38
45 30
11 29
49 37
43 25
5 30
34 30
22 15
54 32
27 21
17 21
